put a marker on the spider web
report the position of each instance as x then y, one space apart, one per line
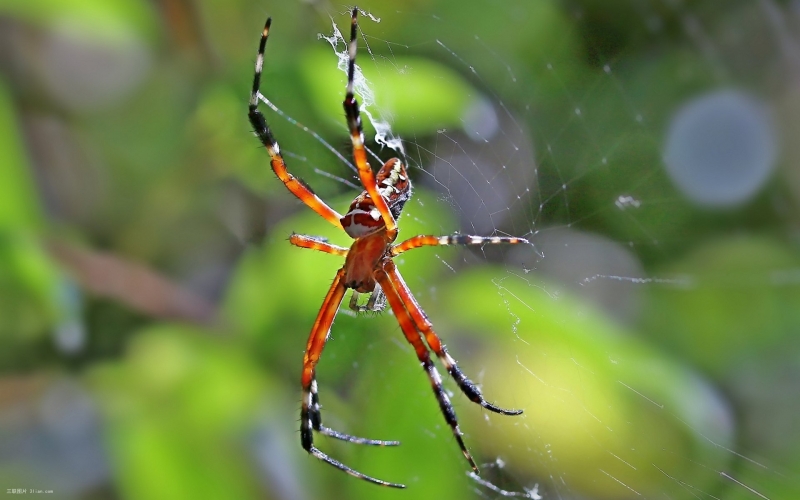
628 173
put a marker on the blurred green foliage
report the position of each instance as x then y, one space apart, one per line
19 208
178 406
102 21
28 278
621 390
146 231
737 306
426 96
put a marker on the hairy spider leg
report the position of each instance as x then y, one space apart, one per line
375 303
314 243
297 187
468 387
365 172
410 330
310 414
455 239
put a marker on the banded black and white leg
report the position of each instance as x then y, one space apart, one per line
467 386
310 412
260 127
414 338
350 104
423 324
455 239
313 417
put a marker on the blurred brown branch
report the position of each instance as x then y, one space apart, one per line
131 283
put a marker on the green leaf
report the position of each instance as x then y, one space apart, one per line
176 410
19 203
590 391
28 292
104 19
741 299
420 98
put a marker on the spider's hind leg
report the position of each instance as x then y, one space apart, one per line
467 386
315 414
310 417
413 337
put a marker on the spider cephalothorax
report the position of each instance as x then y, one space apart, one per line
368 268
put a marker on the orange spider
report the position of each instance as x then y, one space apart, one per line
368 268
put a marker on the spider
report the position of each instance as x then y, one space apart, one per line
368 268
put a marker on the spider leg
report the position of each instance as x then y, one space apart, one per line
350 103
310 418
413 336
263 132
455 239
375 303
315 414
314 243
354 302
468 387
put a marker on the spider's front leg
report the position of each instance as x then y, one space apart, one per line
365 173
264 134
310 414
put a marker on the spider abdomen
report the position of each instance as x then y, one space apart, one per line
363 217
